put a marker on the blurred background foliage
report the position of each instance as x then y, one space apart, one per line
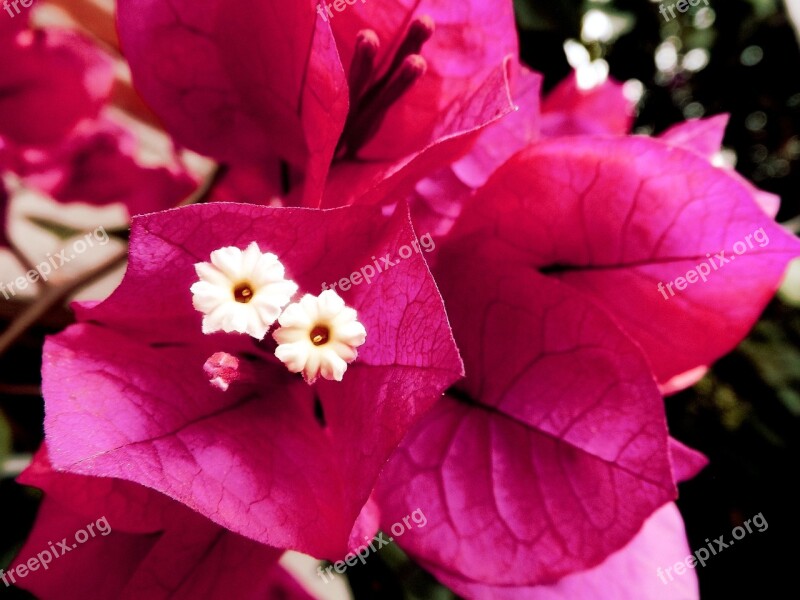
738 57
735 56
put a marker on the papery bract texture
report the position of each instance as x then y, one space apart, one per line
241 82
619 220
144 545
554 449
255 81
704 136
272 458
629 574
686 462
438 198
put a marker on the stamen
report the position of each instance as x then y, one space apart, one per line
319 335
363 65
243 293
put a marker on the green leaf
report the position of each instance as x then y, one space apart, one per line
63 232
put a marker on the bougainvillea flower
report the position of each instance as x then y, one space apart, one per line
50 81
704 137
142 545
601 109
241 290
384 86
98 165
675 249
506 463
551 453
319 335
128 390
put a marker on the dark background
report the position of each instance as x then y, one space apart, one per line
745 415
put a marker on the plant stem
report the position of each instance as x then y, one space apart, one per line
54 295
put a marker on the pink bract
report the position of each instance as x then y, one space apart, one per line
144 545
56 79
554 449
98 166
254 82
127 397
615 217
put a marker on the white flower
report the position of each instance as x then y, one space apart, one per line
319 336
241 290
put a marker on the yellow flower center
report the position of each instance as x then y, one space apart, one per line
319 335
243 293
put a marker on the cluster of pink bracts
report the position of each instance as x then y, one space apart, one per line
511 383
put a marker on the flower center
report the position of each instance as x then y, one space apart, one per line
370 96
319 335
243 293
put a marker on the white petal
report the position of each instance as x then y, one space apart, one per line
332 366
330 304
352 334
214 296
294 355
310 306
289 335
229 261
329 359
208 272
345 316
294 316
311 370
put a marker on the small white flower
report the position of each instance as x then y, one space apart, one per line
319 336
241 290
